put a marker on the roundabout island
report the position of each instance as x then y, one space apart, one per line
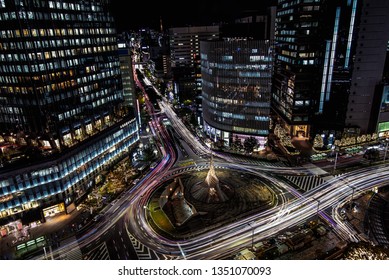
197 201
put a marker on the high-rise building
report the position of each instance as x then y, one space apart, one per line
236 91
237 76
159 63
127 73
61 118
329 60
185 58
369 82
315 47
383 116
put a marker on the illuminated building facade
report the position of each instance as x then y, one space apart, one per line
330 58
367 111
315 52
127 72
236 88
61 96
383 92
185 58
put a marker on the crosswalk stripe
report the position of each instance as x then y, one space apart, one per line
99 253
74 254
142 252
305 183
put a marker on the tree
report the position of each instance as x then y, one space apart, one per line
318 141
372 154
148 154
237 144
219 144
277 130
187 102
193 120
249 144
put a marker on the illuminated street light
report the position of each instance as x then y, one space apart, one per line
386 149
336 157
252 235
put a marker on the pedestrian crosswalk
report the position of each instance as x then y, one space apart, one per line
74 254
98 253
142 252
305 183
166 257
256 161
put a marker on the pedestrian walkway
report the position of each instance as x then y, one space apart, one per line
303 145
142 252
98 253
305 183
315 170
74 254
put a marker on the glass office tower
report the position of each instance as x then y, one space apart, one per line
236 91
315 53
61 102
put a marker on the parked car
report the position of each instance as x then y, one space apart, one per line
153 165
97 217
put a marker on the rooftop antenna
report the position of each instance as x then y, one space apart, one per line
160 23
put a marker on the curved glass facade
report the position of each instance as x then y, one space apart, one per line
236 86
69 177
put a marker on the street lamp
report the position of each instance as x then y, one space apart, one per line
318 204
336 159
386 149
252 236
348 185
352 194
146 209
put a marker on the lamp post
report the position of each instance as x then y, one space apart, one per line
348 185
336 159
252 235
386 149
352 194
318 204
44 250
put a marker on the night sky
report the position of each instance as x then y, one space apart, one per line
200 12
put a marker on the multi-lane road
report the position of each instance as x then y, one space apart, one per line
125 233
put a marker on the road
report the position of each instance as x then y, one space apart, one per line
125 225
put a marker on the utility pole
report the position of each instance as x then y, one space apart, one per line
44 250
181 250
386 150
336 159
352 194
252 239
318 204
252 235
352 188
